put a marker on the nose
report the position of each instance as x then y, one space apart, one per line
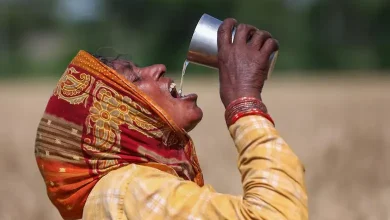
155 71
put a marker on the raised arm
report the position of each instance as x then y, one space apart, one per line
272 175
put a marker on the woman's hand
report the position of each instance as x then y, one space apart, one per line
243 64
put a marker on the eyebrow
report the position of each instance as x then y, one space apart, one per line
131 64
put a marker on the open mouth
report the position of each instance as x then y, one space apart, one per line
173 90
177 95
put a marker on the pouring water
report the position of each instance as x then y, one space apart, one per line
183 72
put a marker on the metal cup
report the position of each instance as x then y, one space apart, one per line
203 49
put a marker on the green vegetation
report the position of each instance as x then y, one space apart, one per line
41 37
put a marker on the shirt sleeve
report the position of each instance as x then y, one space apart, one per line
272 178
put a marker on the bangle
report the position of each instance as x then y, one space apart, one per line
243 107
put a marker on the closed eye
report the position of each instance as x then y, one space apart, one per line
132 77
136 79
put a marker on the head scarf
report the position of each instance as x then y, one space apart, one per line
95 122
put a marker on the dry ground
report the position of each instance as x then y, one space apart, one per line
338 127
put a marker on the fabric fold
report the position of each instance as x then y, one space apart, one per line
95 122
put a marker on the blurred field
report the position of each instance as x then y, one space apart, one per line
340 128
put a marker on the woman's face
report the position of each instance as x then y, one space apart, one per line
151 80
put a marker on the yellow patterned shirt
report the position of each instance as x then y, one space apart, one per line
272 179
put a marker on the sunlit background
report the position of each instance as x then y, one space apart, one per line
329 94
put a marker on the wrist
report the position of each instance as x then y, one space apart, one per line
235 95
245 106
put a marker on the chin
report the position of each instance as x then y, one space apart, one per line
194 117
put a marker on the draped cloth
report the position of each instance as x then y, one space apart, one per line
95 122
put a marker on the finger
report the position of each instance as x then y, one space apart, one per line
270 46
258 39
243 33
225 32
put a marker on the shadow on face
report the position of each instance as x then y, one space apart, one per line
162 90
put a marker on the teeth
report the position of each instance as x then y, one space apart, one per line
172 86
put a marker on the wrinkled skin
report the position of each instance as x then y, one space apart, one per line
151 80
243 64
243 67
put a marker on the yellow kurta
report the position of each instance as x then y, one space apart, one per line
272 179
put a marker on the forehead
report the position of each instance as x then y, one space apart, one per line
123 64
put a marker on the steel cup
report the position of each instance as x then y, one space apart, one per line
203 49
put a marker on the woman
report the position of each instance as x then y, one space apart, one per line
113 142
